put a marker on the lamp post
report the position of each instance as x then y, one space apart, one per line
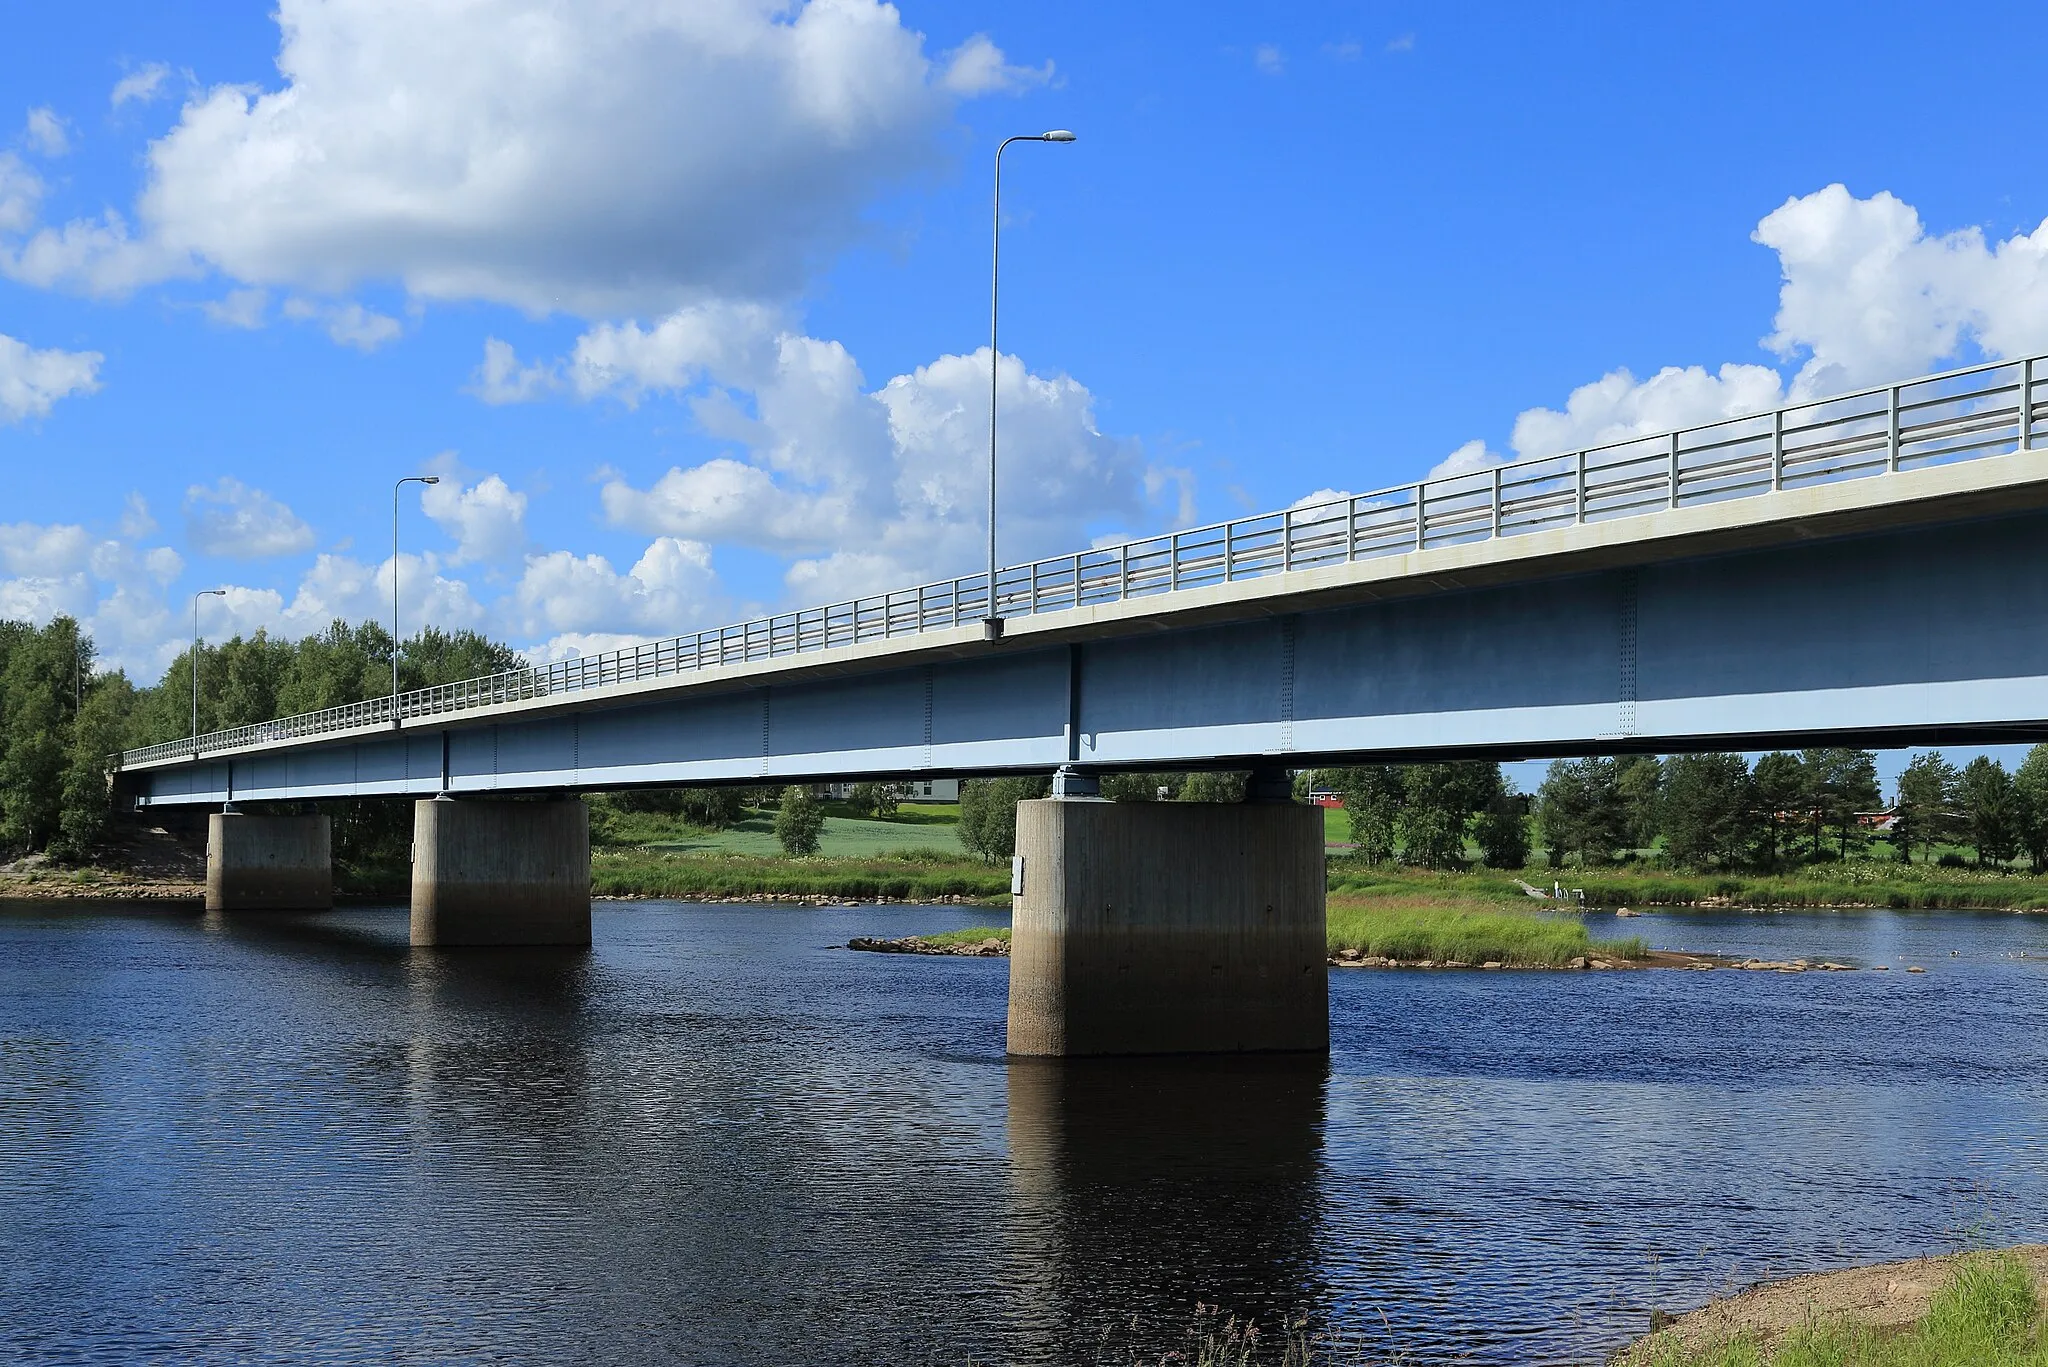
203 593
409 479
995 619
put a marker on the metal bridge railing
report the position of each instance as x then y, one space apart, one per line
1937 419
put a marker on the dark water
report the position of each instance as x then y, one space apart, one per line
714 1140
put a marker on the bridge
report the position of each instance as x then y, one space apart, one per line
1861 569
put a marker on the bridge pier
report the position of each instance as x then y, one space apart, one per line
1168 927
268 863
500 873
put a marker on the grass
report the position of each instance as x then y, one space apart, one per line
1985 1315
845 835
1466 934
1857 883
973 935
908 876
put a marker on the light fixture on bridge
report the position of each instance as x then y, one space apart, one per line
409 479
994 619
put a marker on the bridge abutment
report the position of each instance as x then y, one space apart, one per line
1168 927
500 873
268 863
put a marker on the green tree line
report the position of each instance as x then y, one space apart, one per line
62 718
1719 811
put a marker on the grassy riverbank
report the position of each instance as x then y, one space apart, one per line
906 877
1858 883
1409 915
1987 1312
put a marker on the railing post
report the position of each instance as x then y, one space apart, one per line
2026 403
1123 584
1891 462
1496 502
1777 450
1674 471
1421 525
1579 510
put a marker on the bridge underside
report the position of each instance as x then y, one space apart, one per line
1896 637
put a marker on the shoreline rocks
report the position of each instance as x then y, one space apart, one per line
994 947
1656 958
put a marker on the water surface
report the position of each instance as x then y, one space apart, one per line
715 1139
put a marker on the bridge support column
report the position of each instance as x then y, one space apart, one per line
500 873
268 863
1168 927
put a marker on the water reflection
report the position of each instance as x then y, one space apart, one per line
1142 1186
714 1139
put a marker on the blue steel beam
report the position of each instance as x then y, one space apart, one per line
1893 636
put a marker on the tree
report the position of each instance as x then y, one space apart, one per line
799 821
1709 815
436 657
1220 787
1140 787
1372 795
1579 809
1778 790
36 701
1438 801
1841 784
1503 830
99 732
2030 793
1638 784
870 798
1989 810
988 813
1926 798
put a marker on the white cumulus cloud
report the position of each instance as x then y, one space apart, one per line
552 157
349 323
140 86
672 588
229 518
46 132
1867 295
501 379
32 380
487 518
866 488
978 67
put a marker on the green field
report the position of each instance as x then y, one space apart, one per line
920 827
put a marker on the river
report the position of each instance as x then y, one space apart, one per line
716 1139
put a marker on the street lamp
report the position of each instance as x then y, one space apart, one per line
203 593
409 479
995 619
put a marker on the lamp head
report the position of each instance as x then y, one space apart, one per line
430 479
1056 135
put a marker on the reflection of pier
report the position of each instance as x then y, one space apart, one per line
1142 1187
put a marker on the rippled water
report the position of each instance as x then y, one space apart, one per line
714 1139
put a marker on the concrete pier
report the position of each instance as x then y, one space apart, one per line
1168 927
268 863
500 873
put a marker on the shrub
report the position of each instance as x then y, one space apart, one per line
799 821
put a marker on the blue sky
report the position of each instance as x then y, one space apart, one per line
684 301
